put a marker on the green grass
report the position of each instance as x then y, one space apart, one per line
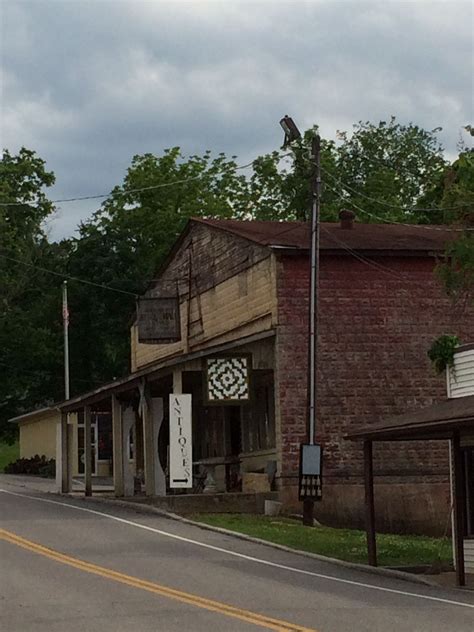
8 453
344 544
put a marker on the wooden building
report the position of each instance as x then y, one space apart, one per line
243 291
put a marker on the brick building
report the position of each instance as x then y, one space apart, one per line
243 289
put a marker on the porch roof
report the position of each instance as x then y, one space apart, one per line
437 421
131 381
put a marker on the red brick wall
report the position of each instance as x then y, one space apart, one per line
374 332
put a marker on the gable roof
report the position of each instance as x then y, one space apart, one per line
362 237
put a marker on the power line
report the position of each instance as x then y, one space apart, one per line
67 276
366 261
383 203
127 191
41 372
389 221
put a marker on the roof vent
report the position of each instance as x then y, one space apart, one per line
347 219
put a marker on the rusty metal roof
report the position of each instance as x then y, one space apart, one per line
362 237
435 421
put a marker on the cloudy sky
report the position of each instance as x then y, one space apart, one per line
89 84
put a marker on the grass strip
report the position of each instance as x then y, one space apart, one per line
344 544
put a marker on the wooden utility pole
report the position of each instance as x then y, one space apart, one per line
308 503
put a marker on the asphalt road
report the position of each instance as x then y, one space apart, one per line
69 565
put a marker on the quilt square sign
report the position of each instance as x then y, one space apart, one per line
227 379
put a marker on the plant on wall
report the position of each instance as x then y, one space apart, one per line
441 352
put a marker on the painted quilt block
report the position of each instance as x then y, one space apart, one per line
228 379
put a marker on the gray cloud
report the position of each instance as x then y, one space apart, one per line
90 84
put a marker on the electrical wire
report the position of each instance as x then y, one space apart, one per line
67 276
373 264
385 220
347 187
127 191
41 372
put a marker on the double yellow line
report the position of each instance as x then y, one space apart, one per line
158 589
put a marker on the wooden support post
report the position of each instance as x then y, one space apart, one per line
459 503
369 503
177 382
148 441
64 456
87 451
117 434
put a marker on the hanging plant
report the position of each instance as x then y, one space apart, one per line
442 351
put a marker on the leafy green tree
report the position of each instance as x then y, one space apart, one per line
380 171
29 328
455 191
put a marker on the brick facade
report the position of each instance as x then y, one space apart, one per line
375 327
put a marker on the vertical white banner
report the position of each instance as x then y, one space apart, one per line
181 441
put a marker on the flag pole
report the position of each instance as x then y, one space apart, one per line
66 340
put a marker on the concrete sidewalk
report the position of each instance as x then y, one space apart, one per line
48 485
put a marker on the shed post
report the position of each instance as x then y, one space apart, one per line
64 456
459 503
87 451
117 439
369 503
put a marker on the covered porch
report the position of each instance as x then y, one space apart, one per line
125 428
451 420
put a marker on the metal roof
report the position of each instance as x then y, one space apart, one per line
416 238
435 421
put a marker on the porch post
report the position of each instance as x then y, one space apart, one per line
459 502
87 451
369 503
129 419
64 455
148 440
177 381
117 432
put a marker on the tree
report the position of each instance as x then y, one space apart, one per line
29 349
380 171
455 192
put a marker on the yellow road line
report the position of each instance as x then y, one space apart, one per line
158 589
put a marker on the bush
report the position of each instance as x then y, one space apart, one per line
35 466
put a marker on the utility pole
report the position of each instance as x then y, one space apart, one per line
310 475
66 340
308 503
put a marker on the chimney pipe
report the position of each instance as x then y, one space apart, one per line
347 219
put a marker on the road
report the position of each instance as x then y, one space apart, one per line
71 565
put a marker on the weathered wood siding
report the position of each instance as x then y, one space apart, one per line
230 286
461 376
